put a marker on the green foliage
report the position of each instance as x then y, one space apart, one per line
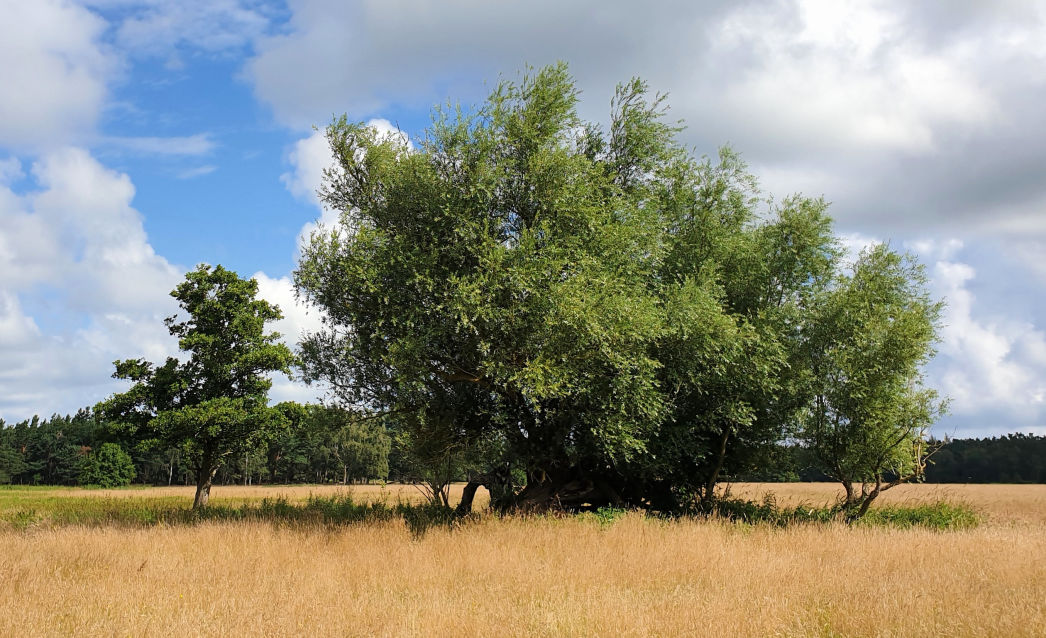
214 404
608 515
1014 458
871 334
46 451
109 466
360 446
941 516
12 464
598 309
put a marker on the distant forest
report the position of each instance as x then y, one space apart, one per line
326 445
327 449
1012 458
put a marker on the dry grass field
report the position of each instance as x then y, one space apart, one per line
570 576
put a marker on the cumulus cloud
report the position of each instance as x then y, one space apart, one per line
59 62
908 118
82 286
55 72
991 365
309 157
298 319
835 77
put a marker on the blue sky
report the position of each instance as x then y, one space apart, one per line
141 137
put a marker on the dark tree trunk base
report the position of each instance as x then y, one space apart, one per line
569 492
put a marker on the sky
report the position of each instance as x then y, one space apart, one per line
139 138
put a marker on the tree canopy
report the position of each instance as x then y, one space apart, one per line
609 318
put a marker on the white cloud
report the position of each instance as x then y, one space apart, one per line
82 286
906 116
54 72
813 72
853 244
199 144
837 76
15 327
309 157
159 27
10 170
388 131
990 365
298 319
198 171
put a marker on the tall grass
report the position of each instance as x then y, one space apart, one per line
371 561
615 574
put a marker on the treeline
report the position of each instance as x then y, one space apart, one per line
1012 458
321 445
333 445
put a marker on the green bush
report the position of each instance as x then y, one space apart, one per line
939 516
108 466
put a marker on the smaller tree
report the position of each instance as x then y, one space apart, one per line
432 459
869 415
108 466
214 404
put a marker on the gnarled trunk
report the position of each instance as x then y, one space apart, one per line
569 490
467 496
204 480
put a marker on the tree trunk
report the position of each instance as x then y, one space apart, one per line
566 490
467 496
865 504
849 488
713 477
204 479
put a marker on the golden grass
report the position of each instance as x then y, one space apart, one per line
535 577
1010 504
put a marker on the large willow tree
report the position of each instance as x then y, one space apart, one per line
590 314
